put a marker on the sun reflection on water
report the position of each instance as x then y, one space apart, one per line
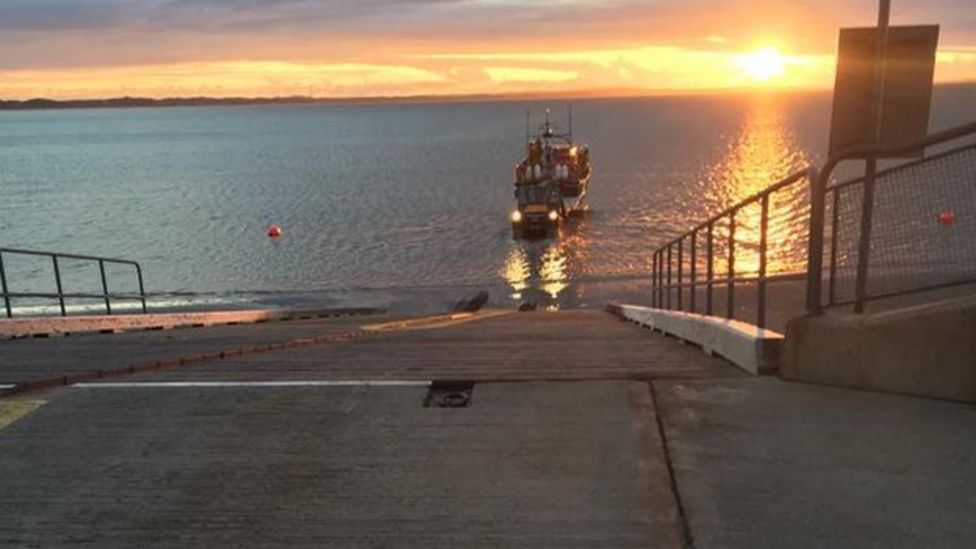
543 272
552 270
516 271
763 153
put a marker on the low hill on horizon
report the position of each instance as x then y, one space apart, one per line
127 101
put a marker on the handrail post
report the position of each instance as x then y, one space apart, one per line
681 266
763 242
660 278
694 270
108 300
142 289
730 286
654 279
667 297
3 287
835 218
57 280
864 244
709 269
661 286
818 186
871 167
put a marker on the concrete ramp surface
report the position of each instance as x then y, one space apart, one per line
525 465
765 463
581 431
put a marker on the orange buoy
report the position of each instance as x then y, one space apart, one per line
947 217
274 231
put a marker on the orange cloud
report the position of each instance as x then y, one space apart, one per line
220 79
767 64
522 74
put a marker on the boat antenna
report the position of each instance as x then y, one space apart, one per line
570 121
528 132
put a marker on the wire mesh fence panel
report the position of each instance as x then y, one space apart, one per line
923 232
844 226
924 226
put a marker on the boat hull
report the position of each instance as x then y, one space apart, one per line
535 228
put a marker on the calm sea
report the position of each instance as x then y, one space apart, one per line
397 205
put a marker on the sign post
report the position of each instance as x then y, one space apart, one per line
882 98
871 168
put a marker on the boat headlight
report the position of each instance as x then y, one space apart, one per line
516 216
553 215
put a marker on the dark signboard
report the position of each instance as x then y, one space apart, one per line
907 92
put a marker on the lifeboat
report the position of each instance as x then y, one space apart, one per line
550 183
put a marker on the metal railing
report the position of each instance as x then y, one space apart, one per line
671 280
900 229
61 295
827 195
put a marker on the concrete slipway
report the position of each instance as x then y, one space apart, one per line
582 431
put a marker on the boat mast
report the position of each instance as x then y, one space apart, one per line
547 128
571 122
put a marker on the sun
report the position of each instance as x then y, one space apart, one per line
763 64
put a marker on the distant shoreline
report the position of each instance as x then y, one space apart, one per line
40 103
142 102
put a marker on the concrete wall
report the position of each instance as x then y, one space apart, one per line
927 350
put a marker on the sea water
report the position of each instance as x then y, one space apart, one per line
395 205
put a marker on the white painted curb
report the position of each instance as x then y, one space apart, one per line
755 350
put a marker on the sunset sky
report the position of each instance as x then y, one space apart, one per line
162 48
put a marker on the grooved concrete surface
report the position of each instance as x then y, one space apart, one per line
30 359
528 465
565 345
766 463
